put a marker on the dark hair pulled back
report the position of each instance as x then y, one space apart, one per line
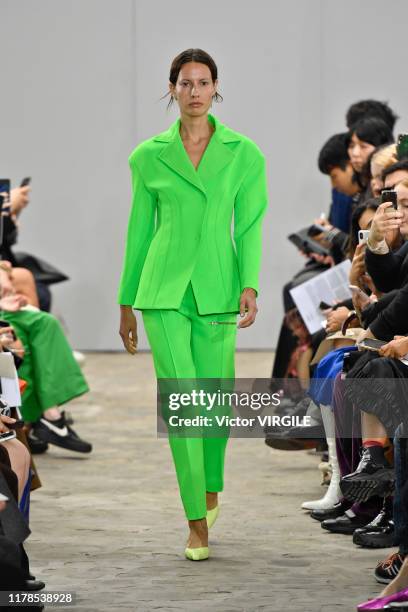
192 55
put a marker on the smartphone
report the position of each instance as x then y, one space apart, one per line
363 236
402 146
371 344
324 306
356 291
389 195
26 181
9 435
316 229
7 324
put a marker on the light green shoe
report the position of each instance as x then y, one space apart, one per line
212 516
197 554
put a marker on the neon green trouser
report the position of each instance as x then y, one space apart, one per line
184 344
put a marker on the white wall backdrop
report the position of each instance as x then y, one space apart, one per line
81 86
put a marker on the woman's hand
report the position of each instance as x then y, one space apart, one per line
386 219
128 329
4 421
13 303
335 319
247 304
358 267
19 198
396 349
6 286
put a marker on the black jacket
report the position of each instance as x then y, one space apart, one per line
389 271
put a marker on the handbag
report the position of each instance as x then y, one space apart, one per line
42 271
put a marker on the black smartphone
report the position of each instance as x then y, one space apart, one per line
402 146
26 181
315 230
7 324
389 195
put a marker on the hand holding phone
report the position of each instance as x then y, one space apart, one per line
363 236
389 195
387 219
371 344
360 299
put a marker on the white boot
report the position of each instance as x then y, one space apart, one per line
333 493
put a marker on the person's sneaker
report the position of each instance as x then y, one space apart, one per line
79 358
372 477
37 446
61 434
386 570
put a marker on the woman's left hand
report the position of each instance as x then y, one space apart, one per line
335 319
397 348
247 307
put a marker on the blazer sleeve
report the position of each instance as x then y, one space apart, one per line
250 207
140 231
385 270
392 320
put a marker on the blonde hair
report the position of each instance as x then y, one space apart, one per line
386 156
403 183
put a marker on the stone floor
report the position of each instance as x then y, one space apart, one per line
110 526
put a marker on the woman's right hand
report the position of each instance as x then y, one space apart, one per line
386 219
128 329
4 421
358 267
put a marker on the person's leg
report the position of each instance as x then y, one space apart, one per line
19 462
213 349
169 335
49 367
24 283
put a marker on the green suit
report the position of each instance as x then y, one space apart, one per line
183 269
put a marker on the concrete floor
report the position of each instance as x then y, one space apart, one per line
110 526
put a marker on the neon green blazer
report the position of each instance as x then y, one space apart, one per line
180 223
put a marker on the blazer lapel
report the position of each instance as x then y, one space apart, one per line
175 156
216 156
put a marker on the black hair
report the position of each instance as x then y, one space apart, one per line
399 165
370 204
334 153
192 55
373 130
371 108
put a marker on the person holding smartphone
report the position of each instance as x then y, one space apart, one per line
181 269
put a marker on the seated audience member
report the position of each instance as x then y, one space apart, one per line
382 158
364 137
21 279
389 268
333 161
371 108
50 370
13 558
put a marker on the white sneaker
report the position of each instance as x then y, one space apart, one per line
79 358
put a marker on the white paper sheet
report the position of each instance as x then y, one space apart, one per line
10 389
330 286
